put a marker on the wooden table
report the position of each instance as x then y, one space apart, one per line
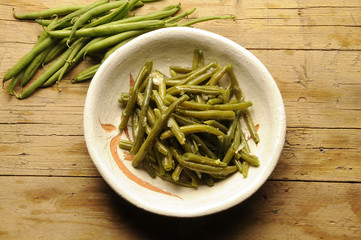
50 188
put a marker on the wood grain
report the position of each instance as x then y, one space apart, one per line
50 188
86 208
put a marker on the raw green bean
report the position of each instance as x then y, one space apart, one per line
209 114
180 16
13 83
202 19
76 47
86 74
25 60
44 77
156 130
31 69
47 13
191 157
105 30
195 129
71 16
113 40
145 70
143 117
55 51
109 17
91 13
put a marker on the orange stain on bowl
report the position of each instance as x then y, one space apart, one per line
114 151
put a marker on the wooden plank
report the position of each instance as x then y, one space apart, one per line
319 88
59 150
86 208
259 25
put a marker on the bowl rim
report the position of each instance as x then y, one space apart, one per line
186 30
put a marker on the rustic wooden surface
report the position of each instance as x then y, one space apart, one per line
50 188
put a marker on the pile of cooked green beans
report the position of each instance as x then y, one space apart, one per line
186 126
71 33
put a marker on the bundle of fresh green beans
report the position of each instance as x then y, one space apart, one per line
73 32
187 126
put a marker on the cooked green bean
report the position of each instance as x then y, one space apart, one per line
183 120
231 131
191 157
221 171
245 169
251 127
180 182
195 129
172 124
177 171
217 125
168 162
203 146
209 114
47 13
125 144
142 116
180 69
196 89
156 130
133 95
218 75
195 59
201 106
235 144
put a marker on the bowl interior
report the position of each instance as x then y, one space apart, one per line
175 46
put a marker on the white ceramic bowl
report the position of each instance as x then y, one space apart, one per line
175 46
